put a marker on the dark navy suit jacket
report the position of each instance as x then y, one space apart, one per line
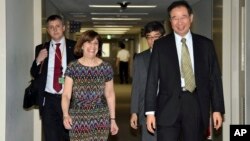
41 75
164 66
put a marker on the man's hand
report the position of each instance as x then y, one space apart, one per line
151 125
42 55
133 121
217 119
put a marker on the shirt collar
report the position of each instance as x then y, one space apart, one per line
62 41
178 38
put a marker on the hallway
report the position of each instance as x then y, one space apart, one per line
126 133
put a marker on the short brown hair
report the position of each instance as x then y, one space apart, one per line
87 36
53 18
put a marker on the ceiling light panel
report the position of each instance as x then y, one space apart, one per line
117 6
116 19
113 26
119 13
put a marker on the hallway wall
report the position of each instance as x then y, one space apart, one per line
2 69
19 50
202 22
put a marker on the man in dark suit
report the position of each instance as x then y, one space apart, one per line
153 30
181 109
51 59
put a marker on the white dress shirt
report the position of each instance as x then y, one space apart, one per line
189 43
50 76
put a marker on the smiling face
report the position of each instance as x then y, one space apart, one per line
181 20
55 29
90 48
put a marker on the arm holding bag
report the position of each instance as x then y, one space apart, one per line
31 93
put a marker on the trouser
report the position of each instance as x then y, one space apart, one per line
123 72
52 119
188 126
145 134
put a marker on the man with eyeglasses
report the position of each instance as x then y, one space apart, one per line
184 82
153 31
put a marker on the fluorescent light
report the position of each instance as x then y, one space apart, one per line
104 6
118 6
108 32
141 6
113 26
114 23
119 13
111 32
111 29
106 29
117 19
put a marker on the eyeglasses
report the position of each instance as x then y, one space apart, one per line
152 37
182 18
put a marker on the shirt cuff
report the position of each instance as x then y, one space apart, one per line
150 113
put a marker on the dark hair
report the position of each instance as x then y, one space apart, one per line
87 36
121 45
179 4
54 17
154 26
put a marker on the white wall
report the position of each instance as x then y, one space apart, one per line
19 56
2 70
247 106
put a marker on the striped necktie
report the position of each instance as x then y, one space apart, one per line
186 68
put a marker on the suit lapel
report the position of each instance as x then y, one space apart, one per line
45 63
173 53
196 53
69 51
172 59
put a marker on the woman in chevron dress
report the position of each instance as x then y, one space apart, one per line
88 99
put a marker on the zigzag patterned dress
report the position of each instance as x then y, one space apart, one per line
88 106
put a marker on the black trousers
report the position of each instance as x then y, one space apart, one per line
188 125
123 72
52 119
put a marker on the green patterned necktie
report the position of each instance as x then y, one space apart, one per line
186 68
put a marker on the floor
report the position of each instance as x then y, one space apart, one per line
123 92
126 133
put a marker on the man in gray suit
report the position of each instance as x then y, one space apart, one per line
153 31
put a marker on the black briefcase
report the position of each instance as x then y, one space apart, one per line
30 95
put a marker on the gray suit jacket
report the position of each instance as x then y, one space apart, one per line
140 66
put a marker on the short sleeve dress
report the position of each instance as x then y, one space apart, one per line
88 106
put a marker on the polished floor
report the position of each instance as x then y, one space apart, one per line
123 93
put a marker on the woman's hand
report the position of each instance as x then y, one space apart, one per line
114 128
67 122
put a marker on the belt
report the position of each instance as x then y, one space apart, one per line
53 94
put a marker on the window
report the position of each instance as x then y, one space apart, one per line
105 50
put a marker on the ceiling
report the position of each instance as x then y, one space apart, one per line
80 11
